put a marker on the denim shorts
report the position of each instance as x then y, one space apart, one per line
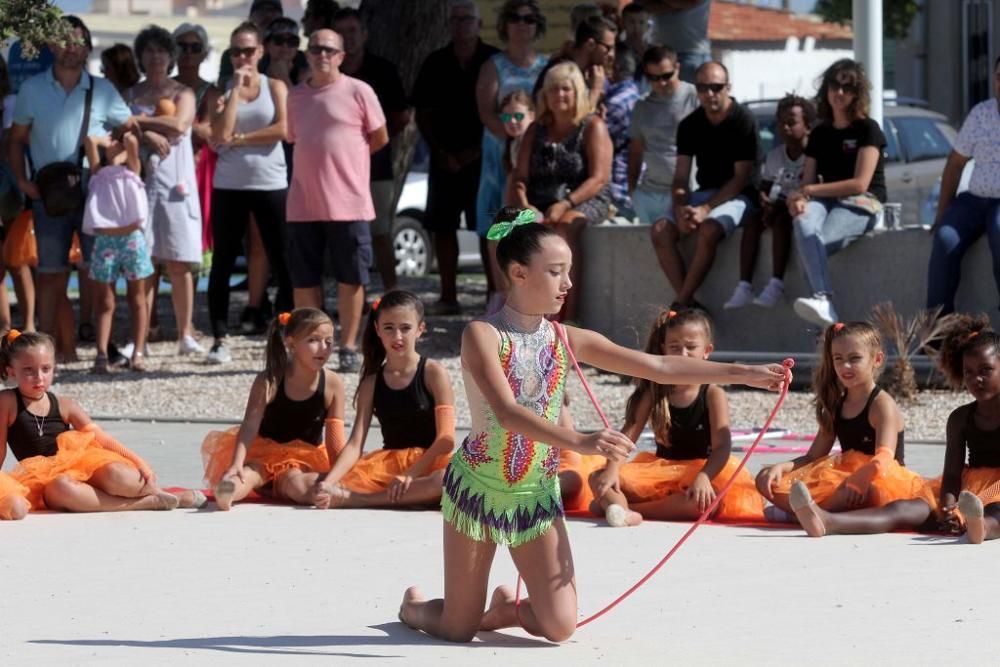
54 237
126 255
729 214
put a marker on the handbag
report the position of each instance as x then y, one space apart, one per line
60 184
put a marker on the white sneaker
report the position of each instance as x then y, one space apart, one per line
742 296
816 309
188 345
219 354
771 295
127 349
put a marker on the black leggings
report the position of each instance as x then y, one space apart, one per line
231 211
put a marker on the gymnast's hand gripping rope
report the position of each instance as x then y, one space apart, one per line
787 363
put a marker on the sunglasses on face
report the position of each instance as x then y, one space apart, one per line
666 76
846 88
320 50
526 19
245 52
189 47
285 40
714 87
507 117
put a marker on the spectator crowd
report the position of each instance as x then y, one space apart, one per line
287 159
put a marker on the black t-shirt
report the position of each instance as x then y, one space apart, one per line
716 148
448 93
384 79
836 152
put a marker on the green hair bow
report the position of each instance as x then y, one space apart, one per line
502 229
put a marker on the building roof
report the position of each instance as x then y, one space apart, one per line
734 22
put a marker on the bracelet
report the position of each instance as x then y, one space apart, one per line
239 136
569 200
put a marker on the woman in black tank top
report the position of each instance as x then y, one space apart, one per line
693 443
294 424
413 400
865 488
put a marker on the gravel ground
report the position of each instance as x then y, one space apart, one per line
180 388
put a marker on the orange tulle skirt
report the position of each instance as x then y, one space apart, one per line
373 472
10 489
19 246
271 459
984 482
78 458
578 496
648 477
824 476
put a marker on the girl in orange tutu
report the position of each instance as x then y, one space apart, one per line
970 357
865 488
14 504
293 426
693 442
413 400
66 462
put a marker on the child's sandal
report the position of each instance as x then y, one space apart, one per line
138 365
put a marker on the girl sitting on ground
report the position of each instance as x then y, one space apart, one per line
66 462
293 426
415 405
693 442
865 488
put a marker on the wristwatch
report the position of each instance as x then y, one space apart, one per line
569 200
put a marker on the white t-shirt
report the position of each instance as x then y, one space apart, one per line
979 139
8 111
781 169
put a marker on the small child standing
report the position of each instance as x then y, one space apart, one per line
517 112
116 211
781 175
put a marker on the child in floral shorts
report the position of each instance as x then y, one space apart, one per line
115 213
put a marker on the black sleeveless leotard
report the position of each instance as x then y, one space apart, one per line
286 420
31 435
857 432
406 415
690 433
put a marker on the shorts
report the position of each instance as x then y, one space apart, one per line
348 243
650 205
126 255
449 195
728 214
383 196
54 237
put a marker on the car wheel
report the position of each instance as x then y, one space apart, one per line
412 247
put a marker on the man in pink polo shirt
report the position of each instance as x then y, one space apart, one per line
336 123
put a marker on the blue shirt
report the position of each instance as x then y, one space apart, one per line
620 99
21 69
55 116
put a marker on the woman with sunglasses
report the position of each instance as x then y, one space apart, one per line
843 183
282 59
251 178
175 230
519 26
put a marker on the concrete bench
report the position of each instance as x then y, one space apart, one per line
623 286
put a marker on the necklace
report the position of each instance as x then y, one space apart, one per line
39 423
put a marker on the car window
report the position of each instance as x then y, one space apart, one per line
766 131
922 139
891 142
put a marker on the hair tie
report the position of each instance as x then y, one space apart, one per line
12 335
671 314
837 326
376 303
502 229
283 318
971 335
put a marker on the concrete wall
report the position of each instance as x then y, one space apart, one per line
623 287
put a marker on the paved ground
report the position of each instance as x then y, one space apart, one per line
273 584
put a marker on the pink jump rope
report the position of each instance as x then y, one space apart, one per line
787 363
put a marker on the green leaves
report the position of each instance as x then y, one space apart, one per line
897 15
34 22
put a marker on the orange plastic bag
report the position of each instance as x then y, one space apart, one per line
19 246
75 253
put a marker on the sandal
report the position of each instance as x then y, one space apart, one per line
138 365
100 365
85 333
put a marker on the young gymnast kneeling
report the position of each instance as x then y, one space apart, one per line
501 486
865 488
293 426
412 397
66 461
693 442
970 357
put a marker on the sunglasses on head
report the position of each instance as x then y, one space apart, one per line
714 87
246 51
846 88
507 117
320 50
666 76
190 47
526 19
285 40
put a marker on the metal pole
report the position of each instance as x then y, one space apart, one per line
867 24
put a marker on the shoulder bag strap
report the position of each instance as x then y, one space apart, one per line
86 122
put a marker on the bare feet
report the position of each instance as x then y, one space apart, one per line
331 497
408 608
808 512
224 492
620 517
192 498
493 619
14 508
971 507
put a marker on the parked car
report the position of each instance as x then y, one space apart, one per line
918 141
413 246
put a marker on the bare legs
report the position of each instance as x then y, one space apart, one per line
686 280
818 522
423 491
294 485
115 487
